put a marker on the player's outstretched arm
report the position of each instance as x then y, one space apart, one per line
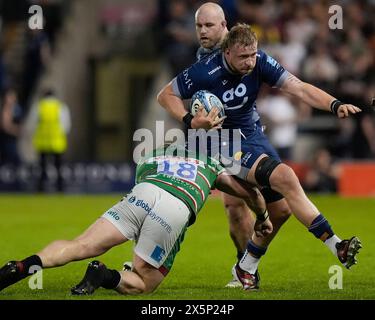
316 97
253 198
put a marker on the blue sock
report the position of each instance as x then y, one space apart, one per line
240 254
255 250
321 229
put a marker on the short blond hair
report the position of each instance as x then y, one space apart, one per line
242 34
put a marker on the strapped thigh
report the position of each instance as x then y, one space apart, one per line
264 170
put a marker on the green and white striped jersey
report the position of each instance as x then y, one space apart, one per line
186 175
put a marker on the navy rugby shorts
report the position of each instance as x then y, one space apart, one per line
254 143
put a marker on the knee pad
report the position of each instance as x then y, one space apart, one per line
264 170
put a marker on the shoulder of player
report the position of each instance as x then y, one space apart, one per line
203 54
263 59
211 59
261 56
209 67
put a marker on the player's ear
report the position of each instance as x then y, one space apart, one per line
224 24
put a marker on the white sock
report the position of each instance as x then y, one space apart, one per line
331 243
249 263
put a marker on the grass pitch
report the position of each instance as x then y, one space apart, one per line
296 265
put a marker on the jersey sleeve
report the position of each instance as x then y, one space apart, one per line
217 167
190 81
272 72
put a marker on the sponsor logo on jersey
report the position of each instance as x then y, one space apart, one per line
113 214
233 93
154 217
224 82
214 70
246 157
158 254
187 79
177 159
211 56
132 199
272 62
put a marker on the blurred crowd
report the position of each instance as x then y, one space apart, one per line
24 54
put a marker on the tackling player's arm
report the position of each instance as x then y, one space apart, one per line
316 97
253 198
175 107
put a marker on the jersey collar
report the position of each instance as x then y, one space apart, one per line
227 67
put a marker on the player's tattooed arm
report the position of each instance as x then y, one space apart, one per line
292 78
307 93
293 85
315 97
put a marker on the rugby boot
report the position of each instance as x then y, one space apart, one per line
347 251
234 283
249 281
92 280
9 274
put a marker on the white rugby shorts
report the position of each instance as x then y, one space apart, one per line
155 219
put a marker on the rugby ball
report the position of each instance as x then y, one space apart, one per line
207 100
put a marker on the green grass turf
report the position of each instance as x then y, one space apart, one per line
295 267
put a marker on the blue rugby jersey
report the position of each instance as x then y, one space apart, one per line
203 53
237 93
